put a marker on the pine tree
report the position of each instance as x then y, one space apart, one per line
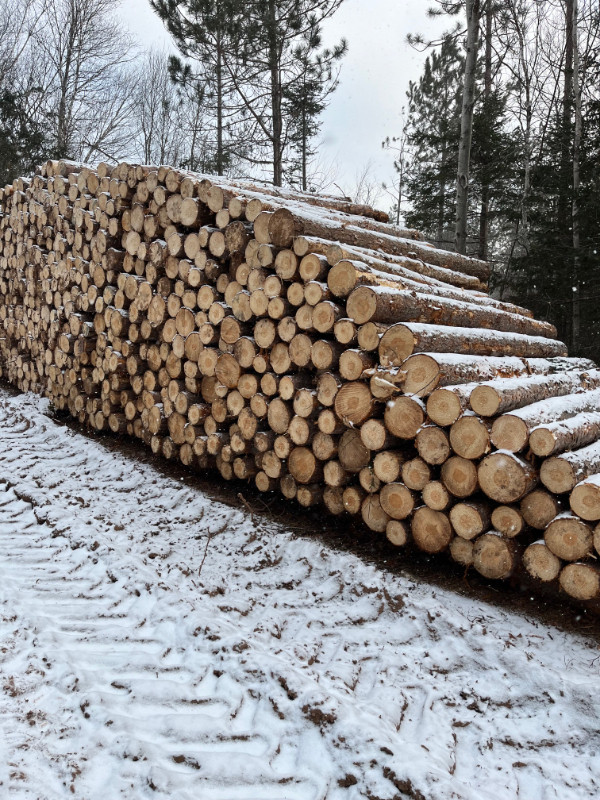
23 141
269 73
208 32
432 138
306 98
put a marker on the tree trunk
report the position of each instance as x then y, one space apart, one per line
276 95
487 93
466 125
219 76
576 315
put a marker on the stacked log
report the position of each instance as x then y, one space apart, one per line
304 345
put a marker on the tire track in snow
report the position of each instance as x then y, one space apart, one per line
283 671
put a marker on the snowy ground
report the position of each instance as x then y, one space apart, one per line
158 643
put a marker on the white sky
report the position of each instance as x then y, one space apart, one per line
375 74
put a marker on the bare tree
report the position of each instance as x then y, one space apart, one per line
157 113
86 47
19 21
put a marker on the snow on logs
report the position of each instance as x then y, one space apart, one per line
304 345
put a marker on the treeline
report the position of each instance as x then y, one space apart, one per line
534 173
245 96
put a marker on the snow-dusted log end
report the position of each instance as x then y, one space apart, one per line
303 345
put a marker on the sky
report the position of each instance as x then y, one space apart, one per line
367 106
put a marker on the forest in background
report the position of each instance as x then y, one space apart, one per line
498 156
534 179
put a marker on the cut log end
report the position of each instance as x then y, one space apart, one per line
431 530
494 557
581 581
506 478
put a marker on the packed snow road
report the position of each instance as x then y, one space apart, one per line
158 643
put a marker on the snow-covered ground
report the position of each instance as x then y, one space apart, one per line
158 643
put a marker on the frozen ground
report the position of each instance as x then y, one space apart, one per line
158 643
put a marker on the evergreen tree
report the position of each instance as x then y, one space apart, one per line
433 126
209 33
23 142
306 98
264 61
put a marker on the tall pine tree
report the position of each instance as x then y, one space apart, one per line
433 126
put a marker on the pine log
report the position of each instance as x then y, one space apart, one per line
403 339
459 476
511 431
431 530
333 499
425 372
387 465
461 551
354 403
506 478
581 581
539 508
569 538
585 498
389 305
508 520
562 473
321 227
541 563
404 416
352 453
568 434
375 436
368 480
353 497
397 500
397 532
499 397
416 474
494 557
470 519
436 496
433 445
446 406
397 267
470 437
373 514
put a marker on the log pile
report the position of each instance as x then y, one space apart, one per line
305 345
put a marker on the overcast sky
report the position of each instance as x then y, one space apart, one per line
375 74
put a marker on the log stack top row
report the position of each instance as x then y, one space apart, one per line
304 344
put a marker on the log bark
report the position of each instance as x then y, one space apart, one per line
511 431
404 338
562 473
389 305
